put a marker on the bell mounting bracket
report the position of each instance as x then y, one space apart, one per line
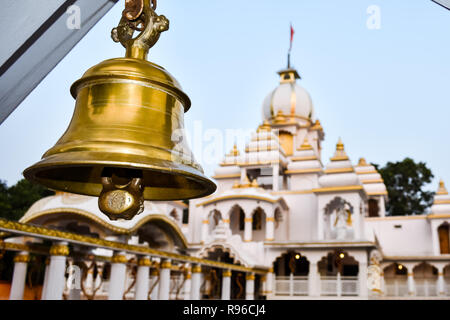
140 16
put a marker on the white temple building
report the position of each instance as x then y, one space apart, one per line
297 227
320 227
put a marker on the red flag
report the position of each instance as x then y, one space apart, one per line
292 38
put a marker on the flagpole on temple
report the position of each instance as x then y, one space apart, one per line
290 47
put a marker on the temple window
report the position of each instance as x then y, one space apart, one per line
444 238
374 210
257 220
241 220
287 142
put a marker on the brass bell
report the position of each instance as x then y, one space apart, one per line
126 142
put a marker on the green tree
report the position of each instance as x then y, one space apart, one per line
405 181
15 200
5 206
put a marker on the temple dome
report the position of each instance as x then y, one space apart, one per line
289 98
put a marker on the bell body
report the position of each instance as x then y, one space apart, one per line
127 124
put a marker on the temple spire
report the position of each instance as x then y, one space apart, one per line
442 190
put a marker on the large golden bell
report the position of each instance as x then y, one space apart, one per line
125 142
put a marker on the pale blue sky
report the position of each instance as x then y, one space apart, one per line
384 92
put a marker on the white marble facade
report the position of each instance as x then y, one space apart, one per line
277 202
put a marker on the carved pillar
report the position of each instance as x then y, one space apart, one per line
250 287
276 174
411 287
313 279
19 276
270 228
205 229
338 284
89 282
382 207
187 284
118 276
357 216
195 283
226 221
362 276
154 280
263 285
57 269
269 282
440 281
320 224
207 282
142 278
226 285
44 286
248 229
243 175
164 280
383 284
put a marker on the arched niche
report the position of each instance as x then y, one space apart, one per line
214 217
258 224
336 262
425 271
237 220
444 238
374 209
395 271
338 219
280 225
291 262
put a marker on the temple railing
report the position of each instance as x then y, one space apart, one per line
396 288
291 285
426 288
339 286
329 286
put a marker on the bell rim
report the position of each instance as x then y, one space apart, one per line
209 187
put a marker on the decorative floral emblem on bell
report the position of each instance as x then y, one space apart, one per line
125 142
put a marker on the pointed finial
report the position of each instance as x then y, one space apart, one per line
339 145
362 162
305 145
442 190
264 127
317 125
280 117
234 152
340 152
246 182
254 184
